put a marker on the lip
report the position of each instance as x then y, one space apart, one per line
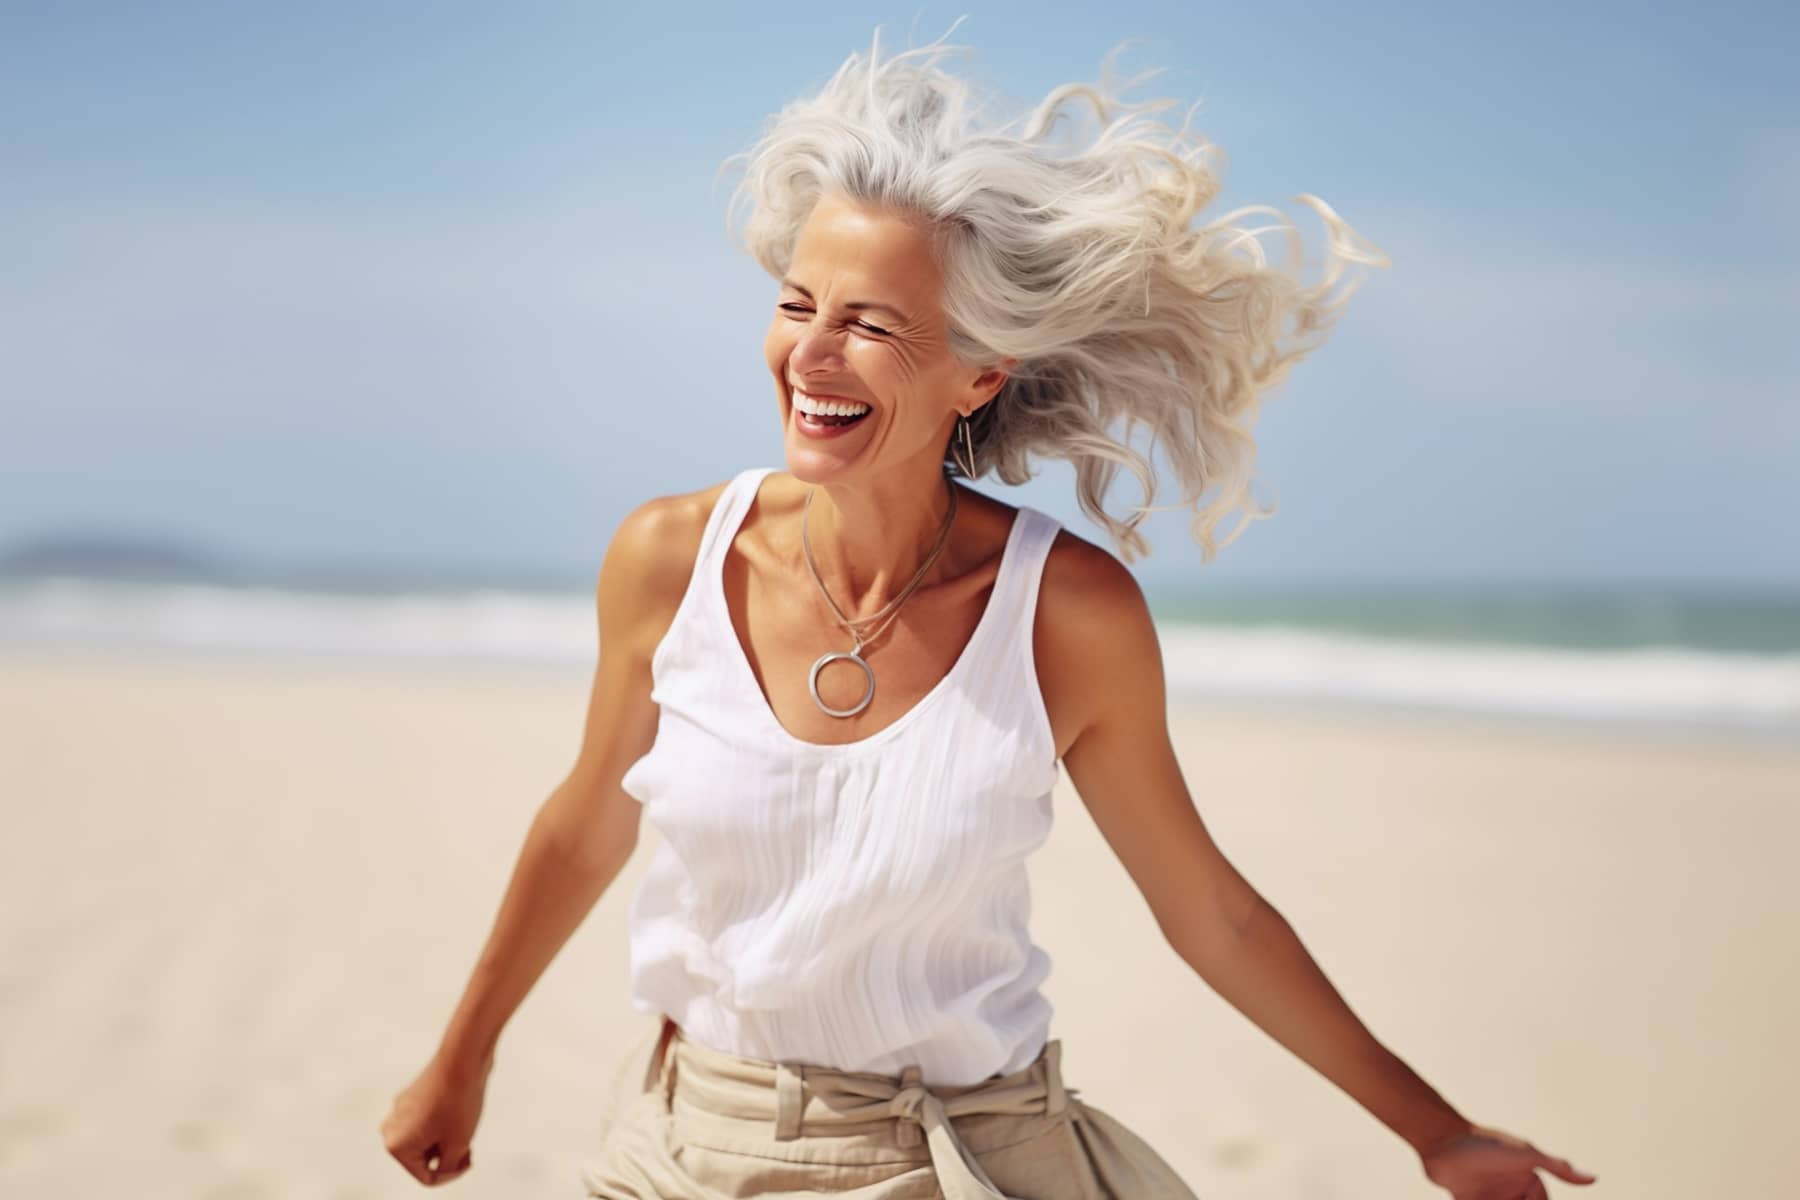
793 387
797 419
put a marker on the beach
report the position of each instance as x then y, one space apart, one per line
242 894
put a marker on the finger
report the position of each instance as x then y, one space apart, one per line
1536 1191
451 1166
413 1160
1563 1169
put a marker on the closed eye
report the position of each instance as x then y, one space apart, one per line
801 308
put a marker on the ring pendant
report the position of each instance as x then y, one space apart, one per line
812 682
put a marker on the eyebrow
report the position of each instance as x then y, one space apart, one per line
854 305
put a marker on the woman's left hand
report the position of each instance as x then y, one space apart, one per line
1486 1164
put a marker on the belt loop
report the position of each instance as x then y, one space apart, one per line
911 1130
657 1072
1056 1097
790 1100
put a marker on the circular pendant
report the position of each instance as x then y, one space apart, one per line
812 682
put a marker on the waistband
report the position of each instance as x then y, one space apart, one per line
800 1099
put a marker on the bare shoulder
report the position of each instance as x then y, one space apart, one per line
1085 581
657 541
1095 643
649 563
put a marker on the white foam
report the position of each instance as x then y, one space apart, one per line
1647 684
492 623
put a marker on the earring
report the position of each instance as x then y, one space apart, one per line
968 470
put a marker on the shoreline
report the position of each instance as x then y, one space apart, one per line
1778 737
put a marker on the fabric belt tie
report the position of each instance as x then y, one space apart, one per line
923 1114
741 1088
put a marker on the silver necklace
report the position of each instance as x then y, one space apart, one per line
853 625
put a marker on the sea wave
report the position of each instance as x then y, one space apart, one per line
1651 683
494 623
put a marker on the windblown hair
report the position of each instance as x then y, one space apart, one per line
1078 261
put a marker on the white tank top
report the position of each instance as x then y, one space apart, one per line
861 906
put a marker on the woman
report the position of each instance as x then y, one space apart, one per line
841 691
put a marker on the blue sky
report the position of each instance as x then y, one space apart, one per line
409 283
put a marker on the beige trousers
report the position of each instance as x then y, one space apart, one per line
707 1126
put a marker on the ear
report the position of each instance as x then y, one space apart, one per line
985 386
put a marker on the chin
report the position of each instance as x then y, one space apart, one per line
809 466
821 460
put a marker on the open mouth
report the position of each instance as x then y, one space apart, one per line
827 415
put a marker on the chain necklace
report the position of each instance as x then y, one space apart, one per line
881 619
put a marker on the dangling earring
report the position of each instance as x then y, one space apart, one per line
969 444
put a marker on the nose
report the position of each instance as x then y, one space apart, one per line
816 349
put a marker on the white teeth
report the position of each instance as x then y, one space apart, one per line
827 408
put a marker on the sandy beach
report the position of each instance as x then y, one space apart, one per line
241 897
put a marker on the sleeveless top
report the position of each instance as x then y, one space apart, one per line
861 906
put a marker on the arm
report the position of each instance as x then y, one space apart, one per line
1097 628
585 832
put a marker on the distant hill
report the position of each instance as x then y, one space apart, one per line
138 558
115 556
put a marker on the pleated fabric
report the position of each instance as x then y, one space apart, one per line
864 905
714 1126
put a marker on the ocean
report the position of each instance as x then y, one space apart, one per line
1667 657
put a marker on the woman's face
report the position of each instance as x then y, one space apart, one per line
858 323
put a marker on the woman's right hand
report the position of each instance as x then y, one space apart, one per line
433 1119
579 841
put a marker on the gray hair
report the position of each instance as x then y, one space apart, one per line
1079 264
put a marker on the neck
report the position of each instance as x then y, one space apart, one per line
869 537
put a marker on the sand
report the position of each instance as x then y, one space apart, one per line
241 897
